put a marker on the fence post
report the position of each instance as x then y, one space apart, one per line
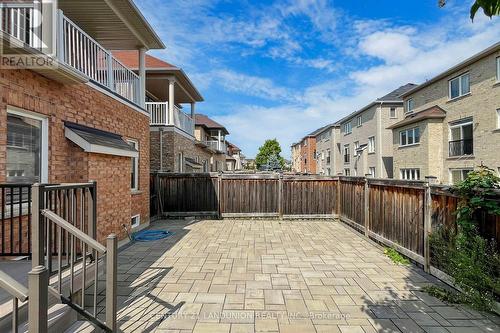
367 208
111 278
219 189
37 226
280 196
159 207
427 226
38 281
338 198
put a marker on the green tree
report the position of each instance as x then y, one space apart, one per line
268 149
490 7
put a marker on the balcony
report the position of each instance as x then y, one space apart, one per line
159 116
74 48
461 147
220 146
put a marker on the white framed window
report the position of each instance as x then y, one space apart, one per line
356 147
135 221
409 174
371 144
392 113
27 147
371 171
498 69
134 171
459 86
328 156
347 128
410 105
359 121
458 175
347 154
347 172
461 138
409 136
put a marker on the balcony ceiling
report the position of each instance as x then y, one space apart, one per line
159 88
115 24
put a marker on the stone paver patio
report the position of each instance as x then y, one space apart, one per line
266 276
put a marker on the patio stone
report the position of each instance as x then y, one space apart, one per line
236 276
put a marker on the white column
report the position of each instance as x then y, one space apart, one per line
219 139
171 101
192 115
142 77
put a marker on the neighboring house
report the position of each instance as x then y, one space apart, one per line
75 117
364 136
234 158
249 164
173 147
452 122
295 157
211 136
328 151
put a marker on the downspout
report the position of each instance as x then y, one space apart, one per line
379 143
161 149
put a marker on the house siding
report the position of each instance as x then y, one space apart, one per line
68 163
481 104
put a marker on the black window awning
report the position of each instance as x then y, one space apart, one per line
94 140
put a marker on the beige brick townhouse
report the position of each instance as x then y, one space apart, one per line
452 122
364 136
169 92
295 156
79 114
328 150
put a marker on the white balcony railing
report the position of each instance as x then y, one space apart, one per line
217 145
159 116
75 48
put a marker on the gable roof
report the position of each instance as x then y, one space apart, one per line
130 58
394 96
434 112
208 123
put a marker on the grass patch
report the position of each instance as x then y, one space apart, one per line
396 257
445 295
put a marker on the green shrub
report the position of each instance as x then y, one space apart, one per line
395 256
472 261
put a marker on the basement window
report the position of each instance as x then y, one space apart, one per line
135 221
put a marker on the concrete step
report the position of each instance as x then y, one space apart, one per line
82 327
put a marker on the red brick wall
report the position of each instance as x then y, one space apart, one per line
308 151
83 104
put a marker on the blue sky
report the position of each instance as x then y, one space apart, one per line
282 69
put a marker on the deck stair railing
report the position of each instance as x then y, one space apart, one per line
68 213
18 293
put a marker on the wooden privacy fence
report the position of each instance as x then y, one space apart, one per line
243 195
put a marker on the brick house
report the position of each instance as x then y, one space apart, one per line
364 136
234 158
211 136
328 150
80 116
304 154
452 122
169 92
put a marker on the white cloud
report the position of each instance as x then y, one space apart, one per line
391 47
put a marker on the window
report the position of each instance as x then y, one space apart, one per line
180 162
356 147
134 172
347 172
347 128
392 113
410 105
459 86
371 171
359 121
328 156
457 175
347 154
410 174
498 69
27 147
409 136
498 118
135 221
371 144
461 141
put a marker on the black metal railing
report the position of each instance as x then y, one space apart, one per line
461 147
15 219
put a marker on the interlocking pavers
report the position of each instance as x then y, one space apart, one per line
264 276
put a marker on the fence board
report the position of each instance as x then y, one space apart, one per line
249 195
352 199
309 197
